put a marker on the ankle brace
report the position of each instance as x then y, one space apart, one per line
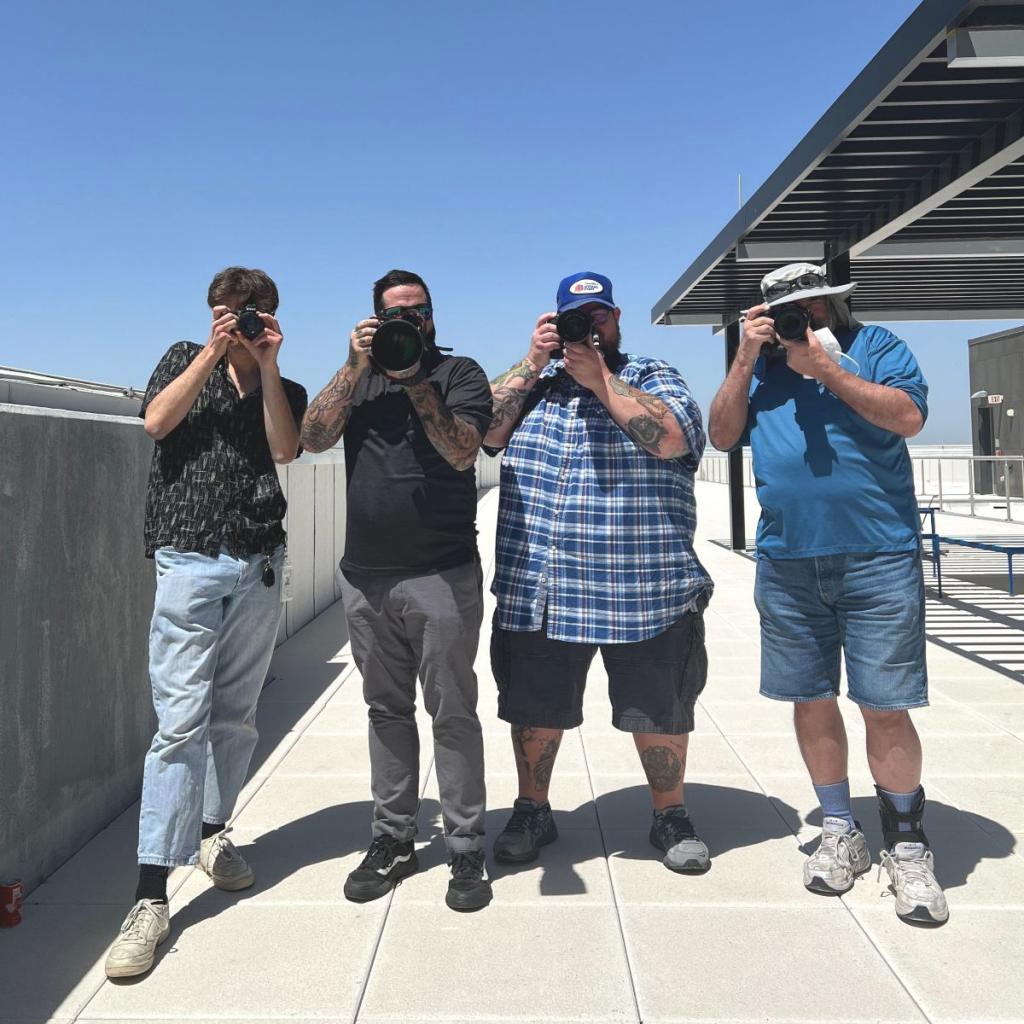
892 819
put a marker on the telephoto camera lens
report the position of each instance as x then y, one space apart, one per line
249 323
574 326
791 321
398 343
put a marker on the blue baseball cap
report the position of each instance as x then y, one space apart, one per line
579 289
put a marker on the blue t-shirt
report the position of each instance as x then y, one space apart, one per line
829 482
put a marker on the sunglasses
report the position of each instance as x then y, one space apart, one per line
804 281
391 312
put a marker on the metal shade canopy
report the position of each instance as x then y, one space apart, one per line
912 184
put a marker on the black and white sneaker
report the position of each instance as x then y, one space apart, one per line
467 887
673 833
531 826
386 863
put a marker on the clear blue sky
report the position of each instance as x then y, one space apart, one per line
490 147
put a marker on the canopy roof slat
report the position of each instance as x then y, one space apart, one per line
915 173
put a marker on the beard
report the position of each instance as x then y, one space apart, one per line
828 320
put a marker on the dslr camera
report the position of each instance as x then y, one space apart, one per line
791 321
249 323
574 327
398 343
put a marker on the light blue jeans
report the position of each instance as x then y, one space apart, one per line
869 606
210 644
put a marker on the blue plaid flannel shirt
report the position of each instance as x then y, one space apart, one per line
592 527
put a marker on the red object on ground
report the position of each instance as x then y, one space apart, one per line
11 895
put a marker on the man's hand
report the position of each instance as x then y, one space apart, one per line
758 330
222 331
807 357
544 342
264 348
585 364
359 342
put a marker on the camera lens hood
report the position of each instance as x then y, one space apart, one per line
397 345
791 321
574 326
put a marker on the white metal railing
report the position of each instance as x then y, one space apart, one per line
714 468
980 483
488 471
983 486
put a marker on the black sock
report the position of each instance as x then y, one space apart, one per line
152 882
211 830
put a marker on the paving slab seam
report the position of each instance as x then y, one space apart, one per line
795 834
975 710
323 700
753 776
371 963
611 885
326 697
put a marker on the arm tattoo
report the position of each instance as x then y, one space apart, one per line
328 413
455 440
663 768
647 430
510 390
522 370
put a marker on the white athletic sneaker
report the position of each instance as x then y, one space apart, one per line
919 897
220 859
147 925
841 857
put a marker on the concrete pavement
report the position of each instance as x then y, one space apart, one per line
597 929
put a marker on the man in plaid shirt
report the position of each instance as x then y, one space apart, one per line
595 550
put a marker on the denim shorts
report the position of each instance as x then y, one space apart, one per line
870 606
653 684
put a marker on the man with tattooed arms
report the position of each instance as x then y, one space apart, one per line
595 550
412 583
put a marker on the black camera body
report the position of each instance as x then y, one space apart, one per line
574 327
250 325
398 343
791 321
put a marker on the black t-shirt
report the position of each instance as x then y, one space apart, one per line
213 480
408 510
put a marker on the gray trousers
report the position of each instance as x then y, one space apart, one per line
429 626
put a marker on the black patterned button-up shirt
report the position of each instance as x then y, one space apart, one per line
213 480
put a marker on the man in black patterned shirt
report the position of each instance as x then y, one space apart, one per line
222 416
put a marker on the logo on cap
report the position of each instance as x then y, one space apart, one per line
586 287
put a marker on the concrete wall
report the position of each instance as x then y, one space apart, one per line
77 595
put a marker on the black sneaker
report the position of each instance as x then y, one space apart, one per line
673 833
531 826
467 888
386 863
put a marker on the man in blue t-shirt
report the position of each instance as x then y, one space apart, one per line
825 404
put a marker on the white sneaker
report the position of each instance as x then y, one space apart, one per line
147 925
220 859
842 855
919 897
